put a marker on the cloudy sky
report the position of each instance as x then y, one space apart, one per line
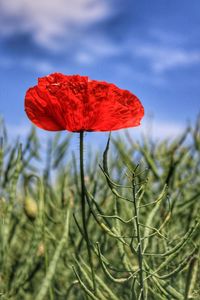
151 48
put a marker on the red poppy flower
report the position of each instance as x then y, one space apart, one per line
76 103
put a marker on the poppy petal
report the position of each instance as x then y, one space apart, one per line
113 108
75 103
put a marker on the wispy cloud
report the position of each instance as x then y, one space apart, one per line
155 131
162 58
96 47
50 21
162 129
18 130
39 65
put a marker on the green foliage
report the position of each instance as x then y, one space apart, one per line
142 217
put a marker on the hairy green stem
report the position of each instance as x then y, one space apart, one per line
83 211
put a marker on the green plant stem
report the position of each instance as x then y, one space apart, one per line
83 211
139 250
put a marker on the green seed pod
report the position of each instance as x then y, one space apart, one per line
41 249
30 208
2 207
2 201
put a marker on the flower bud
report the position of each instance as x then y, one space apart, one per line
41 249
30 208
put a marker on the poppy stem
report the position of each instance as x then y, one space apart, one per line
83 210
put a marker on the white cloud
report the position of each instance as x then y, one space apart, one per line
156 129
161 129
49 21
21 130
167 37
96 47
39 65
17 130
127 71
83 57
149 127
164 58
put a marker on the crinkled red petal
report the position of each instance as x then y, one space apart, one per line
75 103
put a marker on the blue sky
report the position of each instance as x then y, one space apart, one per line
151 48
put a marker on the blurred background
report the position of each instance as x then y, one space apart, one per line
151 48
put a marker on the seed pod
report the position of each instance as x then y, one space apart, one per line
2 207
30 208
41 249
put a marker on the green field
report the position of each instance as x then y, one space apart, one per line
142 233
